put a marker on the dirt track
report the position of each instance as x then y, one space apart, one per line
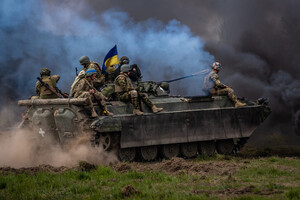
180 165
173 166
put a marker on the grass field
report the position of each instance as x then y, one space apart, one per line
220 177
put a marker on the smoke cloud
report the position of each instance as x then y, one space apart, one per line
36 34
21 148
256 42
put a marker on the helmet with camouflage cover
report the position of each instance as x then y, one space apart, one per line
165 86
45 71
216 66
90 72
125 68
124 60
84 60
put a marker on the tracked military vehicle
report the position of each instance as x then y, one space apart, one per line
187 126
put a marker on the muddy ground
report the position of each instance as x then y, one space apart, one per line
172 166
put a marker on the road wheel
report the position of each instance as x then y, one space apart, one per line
189 150
207 148
105 141
127 154
149 153
170 150
225 146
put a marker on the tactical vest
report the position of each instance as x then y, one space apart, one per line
46 93
118 88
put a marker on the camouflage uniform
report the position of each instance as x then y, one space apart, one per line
110 76
100 79
82 90
42 91
135 74
125 92
213 85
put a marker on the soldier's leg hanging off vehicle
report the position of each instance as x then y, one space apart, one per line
146 101
135 102
230 93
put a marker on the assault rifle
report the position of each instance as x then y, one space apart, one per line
65 95
97 101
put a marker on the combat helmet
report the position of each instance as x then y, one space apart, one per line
216 66
84 60
90 72
124 60
125 68
165 86
45 71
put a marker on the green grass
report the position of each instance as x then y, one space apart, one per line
264 178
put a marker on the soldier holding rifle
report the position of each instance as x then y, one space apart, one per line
46 88
85 89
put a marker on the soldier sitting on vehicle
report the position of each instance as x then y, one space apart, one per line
45 87
85 89
112 72
87 64
125 92
212 85
109 89
135 72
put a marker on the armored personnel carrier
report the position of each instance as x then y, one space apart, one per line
187 126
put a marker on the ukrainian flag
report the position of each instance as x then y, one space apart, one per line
110 59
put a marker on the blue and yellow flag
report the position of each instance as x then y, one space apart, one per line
110 59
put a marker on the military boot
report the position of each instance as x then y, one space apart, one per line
93 113
156 109
239 104
137 112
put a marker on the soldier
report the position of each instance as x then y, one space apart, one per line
126 92
85 89
213 85
110 76
41 90
87 64
135 72
112 72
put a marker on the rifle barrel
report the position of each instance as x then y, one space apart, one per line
184 77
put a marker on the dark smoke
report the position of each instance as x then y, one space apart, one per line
257 43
